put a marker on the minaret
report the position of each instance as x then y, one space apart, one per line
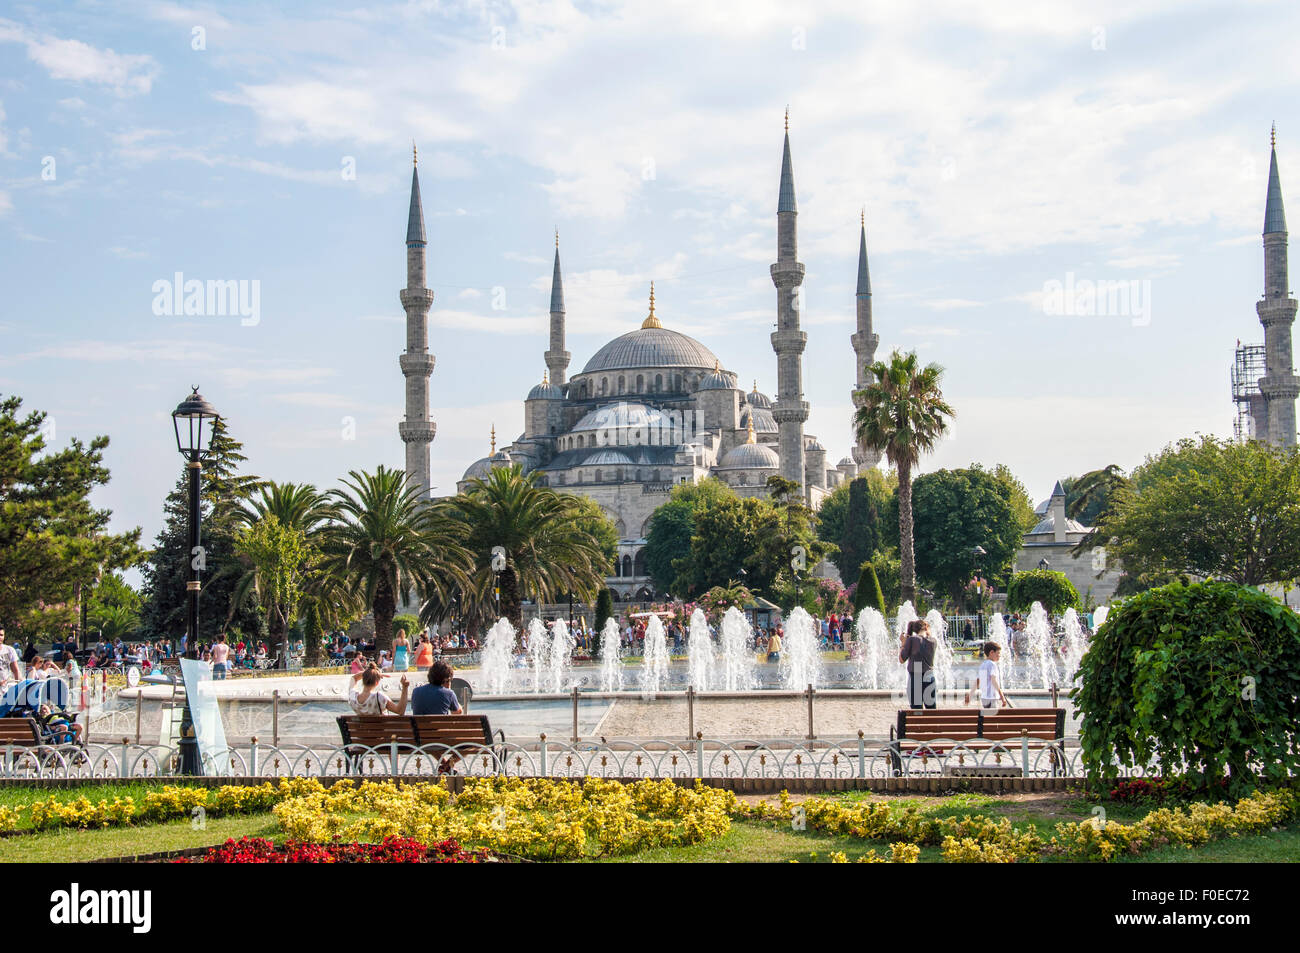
417 429
557 358
865 341
790 410
1280 386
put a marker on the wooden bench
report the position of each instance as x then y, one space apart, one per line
470 733
979 728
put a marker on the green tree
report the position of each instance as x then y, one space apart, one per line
724 542
604 612
1206 675
1047 586
1210 508
854 517
278 556
902 414
958 510
868 592
301 514
387 544
551 543
52 540
671 527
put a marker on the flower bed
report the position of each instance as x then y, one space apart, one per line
392 850
980 839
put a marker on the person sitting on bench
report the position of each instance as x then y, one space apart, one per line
370 700
436 698
56 728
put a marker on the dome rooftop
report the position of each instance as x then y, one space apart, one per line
718 380
750 456
755 399
764 422
546 391
651 347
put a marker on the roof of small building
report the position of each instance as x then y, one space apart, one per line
750 456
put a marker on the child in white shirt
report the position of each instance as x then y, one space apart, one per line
988 681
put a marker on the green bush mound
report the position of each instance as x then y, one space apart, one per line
1204 675
1052 589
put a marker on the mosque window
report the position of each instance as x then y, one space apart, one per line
640 383
638 567
597 476
627 566
617 567
620 383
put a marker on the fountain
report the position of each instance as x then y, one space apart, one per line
1099 616
654 657
944 676
1038 648
877 651
801 660
498 657
906 615
559 657
538 652
736 667
700 668
611 669
1073 645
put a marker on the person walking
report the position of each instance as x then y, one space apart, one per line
988 681
220 657
917 653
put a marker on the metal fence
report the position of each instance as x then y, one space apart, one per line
858 757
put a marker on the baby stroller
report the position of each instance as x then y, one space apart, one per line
24 699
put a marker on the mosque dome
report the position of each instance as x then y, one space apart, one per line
846 462
755 399
546 391
718 380
750 456
764 422
651 347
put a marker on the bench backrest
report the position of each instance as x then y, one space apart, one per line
959 724
416 731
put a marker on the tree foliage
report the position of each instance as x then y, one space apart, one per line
1211 508
958 510
671 527
52 540
1047 586
1206 675
855 517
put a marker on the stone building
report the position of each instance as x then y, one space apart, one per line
1054 538
655 408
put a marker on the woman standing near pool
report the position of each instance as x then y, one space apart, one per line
401 649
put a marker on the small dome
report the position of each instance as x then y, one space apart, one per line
750 456
764 422
479 469
718 380
755 399
546 391
1048 525
813 444
846 462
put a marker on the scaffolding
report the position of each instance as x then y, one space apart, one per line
1247 369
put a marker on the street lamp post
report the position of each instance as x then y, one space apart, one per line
199 419
979 552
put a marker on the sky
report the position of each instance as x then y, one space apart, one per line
1001 150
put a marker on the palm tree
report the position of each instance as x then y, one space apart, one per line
902 414
549 548
387 543
301 510
1096 490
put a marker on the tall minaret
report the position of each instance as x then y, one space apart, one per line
416 362
790 409
557 358
1279 385
865 341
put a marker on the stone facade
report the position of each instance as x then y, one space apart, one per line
1053 539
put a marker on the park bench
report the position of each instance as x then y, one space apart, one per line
469 734
978 728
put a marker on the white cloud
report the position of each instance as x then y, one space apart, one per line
125 73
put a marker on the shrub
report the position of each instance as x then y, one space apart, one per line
409 623
868 592
1051 588
1204 677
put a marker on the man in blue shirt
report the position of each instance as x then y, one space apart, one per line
436 698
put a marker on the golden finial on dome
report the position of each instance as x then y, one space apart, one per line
651 321
494 441
717 368
545 375
755 385
751 429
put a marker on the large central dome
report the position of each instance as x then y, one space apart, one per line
651 347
